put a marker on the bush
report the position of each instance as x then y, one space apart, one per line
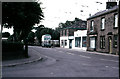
11 46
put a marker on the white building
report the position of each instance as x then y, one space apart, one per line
66 41
79 41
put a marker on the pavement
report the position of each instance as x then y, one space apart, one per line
94 52
35 56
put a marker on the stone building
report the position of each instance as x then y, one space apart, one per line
102 30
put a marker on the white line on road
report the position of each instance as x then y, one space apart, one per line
109 60
86 64
115 67
70 53
61 51
84 56
106 66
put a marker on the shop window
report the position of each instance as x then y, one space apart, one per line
77 41
83 41
65 42
61 42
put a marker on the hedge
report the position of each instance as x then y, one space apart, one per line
11 46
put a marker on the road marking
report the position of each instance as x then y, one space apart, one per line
84 56
61 51
112 67
106 66
115 67
86 64
109 60
70 53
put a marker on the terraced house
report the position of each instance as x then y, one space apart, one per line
102 30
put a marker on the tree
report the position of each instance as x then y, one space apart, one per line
43 31
22 16
38 32
31 37
55 35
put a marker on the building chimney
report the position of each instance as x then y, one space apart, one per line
110 4
89 15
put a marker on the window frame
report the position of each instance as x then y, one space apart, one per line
77 41
65 42
62 42
115 40
102 42
65 32
102 23
92 38
85 41
62 33
91 25
115 25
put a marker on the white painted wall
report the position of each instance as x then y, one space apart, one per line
79 33
64 38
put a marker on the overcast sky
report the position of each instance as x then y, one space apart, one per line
57 11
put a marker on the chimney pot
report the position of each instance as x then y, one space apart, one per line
110 4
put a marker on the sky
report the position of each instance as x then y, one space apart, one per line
57 11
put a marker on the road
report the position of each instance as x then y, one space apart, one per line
61 62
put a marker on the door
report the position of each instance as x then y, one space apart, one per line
70 44
110 45
92 43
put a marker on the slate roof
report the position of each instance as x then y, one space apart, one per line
104 12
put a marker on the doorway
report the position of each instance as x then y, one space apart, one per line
110 44
70 44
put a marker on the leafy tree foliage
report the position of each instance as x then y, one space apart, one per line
22 16
31 37
41 30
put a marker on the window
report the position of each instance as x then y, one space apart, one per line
115 40
102 42
62 33
65 32
102 23
116 20
65 42
91 26
77 41
83 41
61 42
92 42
